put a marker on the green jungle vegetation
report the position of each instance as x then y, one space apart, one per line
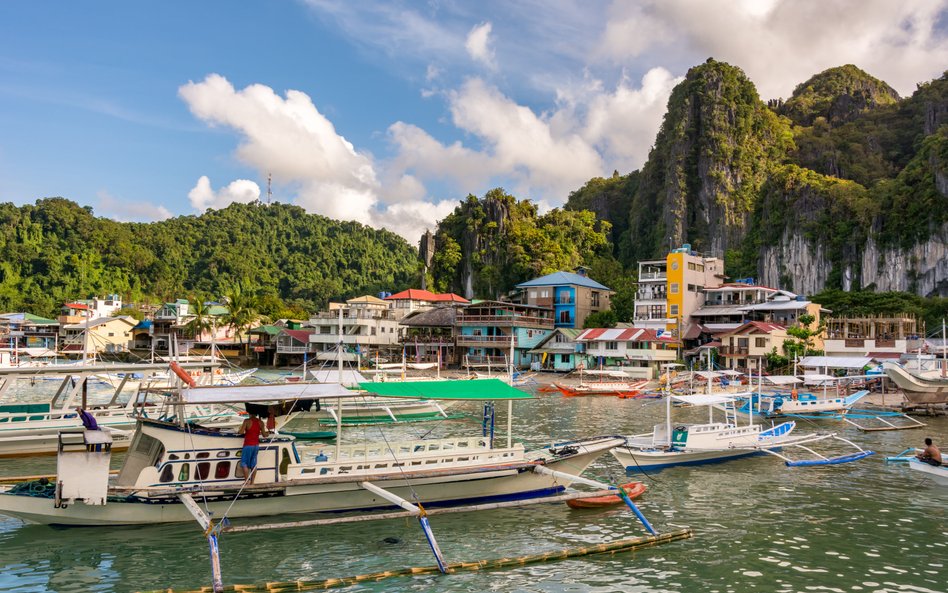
288 261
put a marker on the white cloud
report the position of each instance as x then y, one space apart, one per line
781 43
202 196
129 210
478 45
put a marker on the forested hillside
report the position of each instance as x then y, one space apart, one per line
55 250
842 186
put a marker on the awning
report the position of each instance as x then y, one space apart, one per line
702 400
835 362
474 389
816 378
783 379
707 374
263 393
350 378
334 356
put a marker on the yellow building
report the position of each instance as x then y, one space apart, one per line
106 334
688 274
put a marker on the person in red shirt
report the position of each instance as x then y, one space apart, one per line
252 428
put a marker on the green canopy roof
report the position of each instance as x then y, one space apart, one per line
474 389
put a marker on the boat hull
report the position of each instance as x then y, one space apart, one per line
917 390
654 460
939 475
471 485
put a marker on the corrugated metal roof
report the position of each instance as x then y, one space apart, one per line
835 362
563 279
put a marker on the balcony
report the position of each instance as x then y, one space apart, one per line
295 349
486 341
653 276
733 350
505 321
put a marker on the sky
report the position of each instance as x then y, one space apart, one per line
390 112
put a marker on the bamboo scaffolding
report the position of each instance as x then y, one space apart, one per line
624 545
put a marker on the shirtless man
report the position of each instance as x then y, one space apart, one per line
930 455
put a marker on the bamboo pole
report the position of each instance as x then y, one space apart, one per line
430 511
624 545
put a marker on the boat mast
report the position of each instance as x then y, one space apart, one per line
668 405
710 407
510 401
339 400
944 350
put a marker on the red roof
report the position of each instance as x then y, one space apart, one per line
631 334
76 306
417 294
300 335
878 355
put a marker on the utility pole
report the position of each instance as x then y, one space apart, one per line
269 192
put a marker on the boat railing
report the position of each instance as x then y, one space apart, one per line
393 457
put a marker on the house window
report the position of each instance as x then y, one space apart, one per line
673 310
564 317
612 345
545 293
533 295
373 331
564 358
760 342
673 288
595 298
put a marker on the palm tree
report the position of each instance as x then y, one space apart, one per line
242 307
201 319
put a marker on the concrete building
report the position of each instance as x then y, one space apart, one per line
875 336
485 330
571 296
640 351
689 275
560 351
105 335
369 327
748 345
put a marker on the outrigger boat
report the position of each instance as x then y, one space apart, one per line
623 389
715 442
168 460
938 474
33 428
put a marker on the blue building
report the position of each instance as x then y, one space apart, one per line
486 329
571 296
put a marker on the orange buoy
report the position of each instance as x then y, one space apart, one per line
182 374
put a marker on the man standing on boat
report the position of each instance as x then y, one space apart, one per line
930 455
252 429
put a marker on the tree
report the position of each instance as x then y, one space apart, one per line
802 333
242 307
600 319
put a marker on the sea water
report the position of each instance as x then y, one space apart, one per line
758 526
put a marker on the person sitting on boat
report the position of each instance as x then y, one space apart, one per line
794 394
930 455
252 428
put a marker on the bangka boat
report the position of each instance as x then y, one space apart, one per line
920 387
603 386
169 460
938 474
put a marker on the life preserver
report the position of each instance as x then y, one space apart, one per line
182 374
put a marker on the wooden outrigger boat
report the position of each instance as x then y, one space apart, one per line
623 389
170 467
632 490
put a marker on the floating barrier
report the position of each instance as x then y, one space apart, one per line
624 545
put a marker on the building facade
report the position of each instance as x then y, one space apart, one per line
572 296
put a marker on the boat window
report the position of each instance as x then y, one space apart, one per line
285 461
167 474
203 455
463 444
187 456
202 470
185 472
173 457
419 448
222 471
433 447
222 453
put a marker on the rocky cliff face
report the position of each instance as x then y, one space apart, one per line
922 268
837 95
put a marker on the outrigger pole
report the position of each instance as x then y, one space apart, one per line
217 581
542 469
418 511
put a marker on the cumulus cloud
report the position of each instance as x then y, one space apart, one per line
781 43
292 139
478 45
129 210
202 196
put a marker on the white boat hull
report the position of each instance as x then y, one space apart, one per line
313 496
939 475
917 389
645 460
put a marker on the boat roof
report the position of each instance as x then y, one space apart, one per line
703 399
783 379
474 389
263 393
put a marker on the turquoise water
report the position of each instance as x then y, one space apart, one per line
759 526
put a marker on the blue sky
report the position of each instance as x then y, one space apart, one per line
390 112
